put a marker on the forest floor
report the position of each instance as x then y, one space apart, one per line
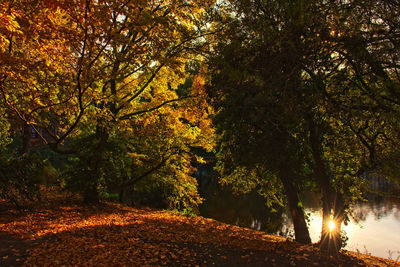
60 231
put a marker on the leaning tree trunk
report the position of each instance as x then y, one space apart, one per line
300 226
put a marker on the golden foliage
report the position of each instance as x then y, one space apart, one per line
115 235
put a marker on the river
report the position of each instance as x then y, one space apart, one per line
373 228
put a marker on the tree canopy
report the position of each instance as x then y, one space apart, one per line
302 95
305 90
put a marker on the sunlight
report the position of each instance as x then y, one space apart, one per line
331 225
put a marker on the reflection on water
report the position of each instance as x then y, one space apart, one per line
243 210
373 228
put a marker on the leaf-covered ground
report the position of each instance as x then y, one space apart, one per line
59 232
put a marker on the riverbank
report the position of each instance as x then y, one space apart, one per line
60 231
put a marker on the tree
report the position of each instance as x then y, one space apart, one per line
257 115
309 79
152 152
105 58
352 126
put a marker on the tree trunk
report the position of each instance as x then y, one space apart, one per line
300 226
331 240
332 210
121 195
26 139
91 195
328 237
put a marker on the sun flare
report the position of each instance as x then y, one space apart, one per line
331 225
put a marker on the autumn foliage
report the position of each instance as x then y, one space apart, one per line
64 233
105 85
118 99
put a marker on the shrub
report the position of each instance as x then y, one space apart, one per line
20 177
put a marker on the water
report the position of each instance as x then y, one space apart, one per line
374 227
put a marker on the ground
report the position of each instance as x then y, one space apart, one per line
60 231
